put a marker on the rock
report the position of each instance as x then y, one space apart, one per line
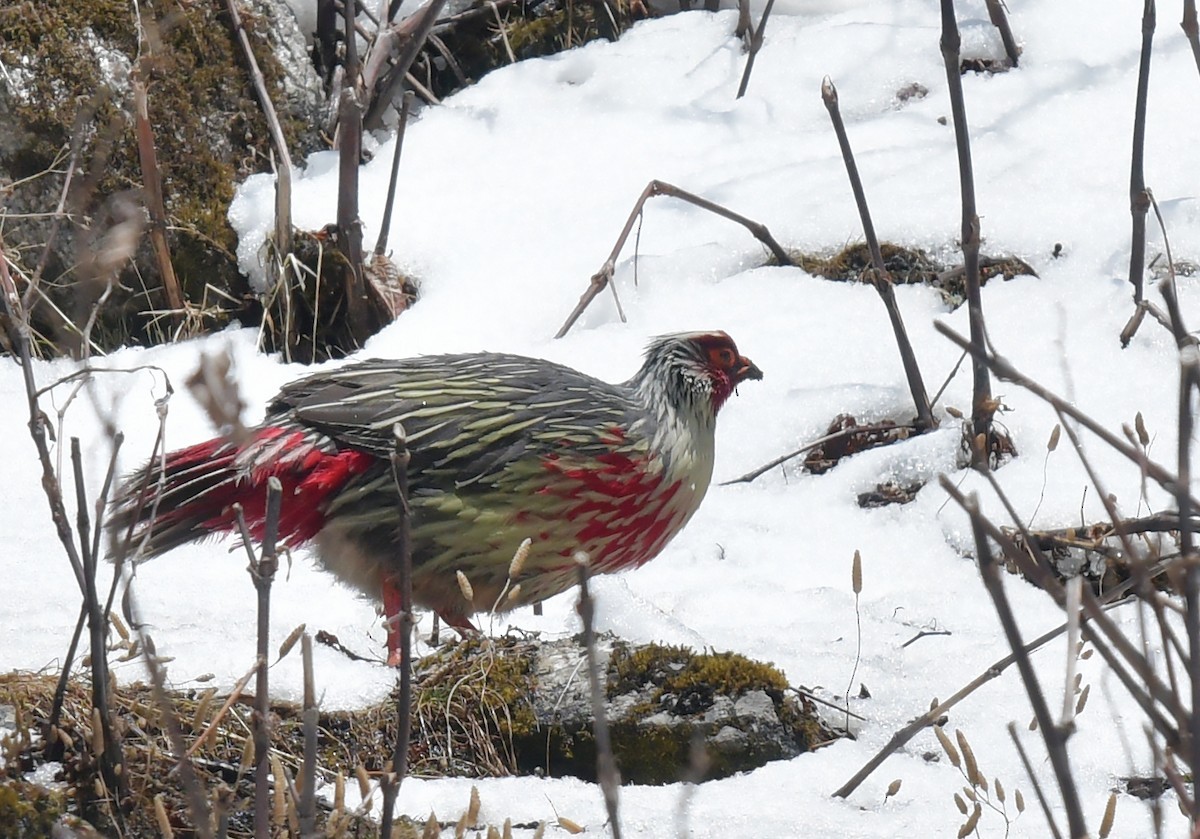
69 81
673 713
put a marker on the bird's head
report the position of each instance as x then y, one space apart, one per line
699 370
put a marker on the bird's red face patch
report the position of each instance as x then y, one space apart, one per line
726 367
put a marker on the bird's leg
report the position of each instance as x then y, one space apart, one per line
393 604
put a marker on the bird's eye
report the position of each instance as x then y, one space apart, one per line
722 357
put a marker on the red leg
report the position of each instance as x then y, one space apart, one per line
460 622
393 604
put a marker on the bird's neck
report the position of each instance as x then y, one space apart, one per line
682 422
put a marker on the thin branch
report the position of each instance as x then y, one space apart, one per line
1191 28
153 191
262 572
880 277
389 84
904 735
606 765
1054 736
982 405
283 162
1006 372
1000 21
604 276
1139 201
756 43
820 441
386 224
392 779
311 719
1037 787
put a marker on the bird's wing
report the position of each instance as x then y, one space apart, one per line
465 416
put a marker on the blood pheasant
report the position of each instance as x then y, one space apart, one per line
503 448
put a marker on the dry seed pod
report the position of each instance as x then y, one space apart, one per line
893 788
506 833
339 793
970 793
569 826
999 790
473 807
432 828
514 592
969 824
160 815
97 733
279 809
540 831
464 585
1110 812
1081 703
1086 654
948 747
118 625
1140 425
247 754
954 412
493 833
202 708
518 560
960 803
364 780
1033 724
1020 799
856 573
968 757
460 827
290 641
1054 435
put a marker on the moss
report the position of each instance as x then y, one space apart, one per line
209 133
679 670
28 811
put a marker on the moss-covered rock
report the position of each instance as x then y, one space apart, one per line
67 98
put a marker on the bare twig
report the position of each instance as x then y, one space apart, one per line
820 441
982 405
1191 28
350 126
262 572
756 43
880 277
399 767
604 276
904 735
152 188
1000 21
1005 371
1037 787
1139 201
1054 736
386 224
308 773
744 26
606 765
389 84
283 160
1189 384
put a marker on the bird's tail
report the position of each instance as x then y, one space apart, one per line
191 493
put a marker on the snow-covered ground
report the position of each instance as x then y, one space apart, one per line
512 194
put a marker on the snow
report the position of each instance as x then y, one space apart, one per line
512 194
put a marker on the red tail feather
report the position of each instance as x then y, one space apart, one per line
204 481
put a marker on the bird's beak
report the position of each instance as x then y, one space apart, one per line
747 369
